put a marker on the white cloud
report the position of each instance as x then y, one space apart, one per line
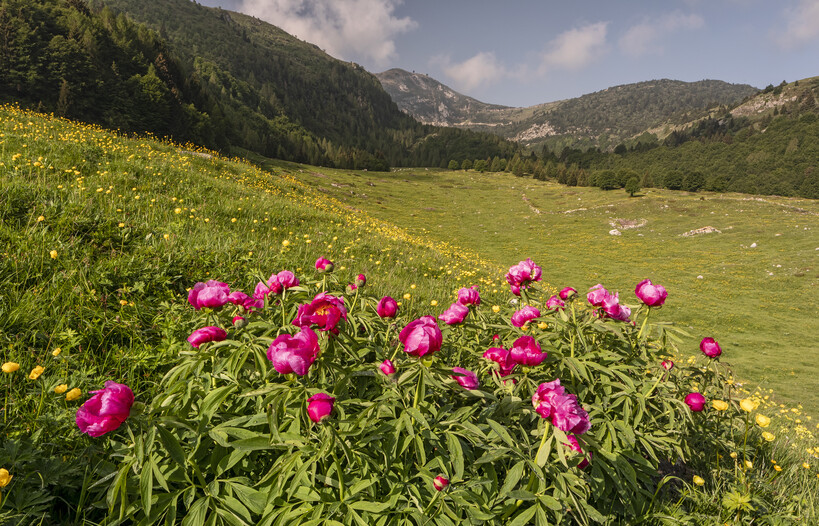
644 38
361 30
576 48
802 25
481 69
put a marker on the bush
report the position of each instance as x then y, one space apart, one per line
606 180
632 186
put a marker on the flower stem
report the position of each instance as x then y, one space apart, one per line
643 326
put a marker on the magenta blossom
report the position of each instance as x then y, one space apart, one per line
650 294
596 295
387 307
319 406
285 280
526 351
262 290
106 410
613 309
554 303
466 379
440 482
248 303
207 334
567 293
361 280
710 347
574 445
524 273
324 265
551 400
455 314
469 296
387 367
325 311
515 289
294 354
351 287
210 295
421 337
524 315
668 365
695 401
500 356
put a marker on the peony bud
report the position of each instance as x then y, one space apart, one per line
695 401
106 410
710 347
440 482
239 322
324 265
361 280
567 293
387 307
387 367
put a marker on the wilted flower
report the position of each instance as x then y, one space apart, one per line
454 314
387 367
36 372
469 296
710 347
527 313
526 351
207 334
10 367
695 401
325 311
294 354
106 410
319 406
211 295
551 400
324 265
567 292
466 379
440 482
421 337
387 307
650 294
762 420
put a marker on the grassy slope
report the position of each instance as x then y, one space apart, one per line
763 314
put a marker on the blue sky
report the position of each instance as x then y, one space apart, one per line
525 52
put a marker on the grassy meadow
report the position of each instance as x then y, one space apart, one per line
101 236
759 275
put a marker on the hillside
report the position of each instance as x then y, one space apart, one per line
602 119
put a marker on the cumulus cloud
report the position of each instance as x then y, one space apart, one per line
576 48
481 69
644 38
801 25
361 30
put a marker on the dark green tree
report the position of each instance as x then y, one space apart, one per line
632 186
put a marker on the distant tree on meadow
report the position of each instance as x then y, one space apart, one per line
453 165
632 186
466 165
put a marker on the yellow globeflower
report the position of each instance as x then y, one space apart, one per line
407 296
768 436
285 243
749 464
699 481
10 367
60 389
778 468
762 420
733 454
73 394
748 405
542 326
40 219
805 465
57 351
719 405
53 254
434 303
495 308
36 372
5 477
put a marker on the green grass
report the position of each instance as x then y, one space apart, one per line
760 303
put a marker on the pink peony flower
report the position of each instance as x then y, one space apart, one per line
695 401
294 354
207 334
500 356
325 311
596 295
515 289
261 292
238 298
466 379
668 365
551 400
274 285
387 307
361 280
526 351
440 482
286 279
710 347
469 296
421 337
650 294
554 303
324 265
524 273
567 293
387 367
210 295
574 445
527 313
455 314
613 309
106 410
319 406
